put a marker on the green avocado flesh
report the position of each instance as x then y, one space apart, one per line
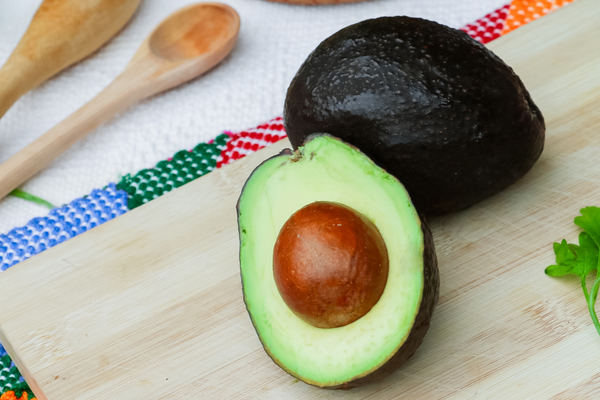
326 169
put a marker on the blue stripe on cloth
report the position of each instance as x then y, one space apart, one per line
62 223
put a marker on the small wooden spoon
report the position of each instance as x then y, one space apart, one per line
61 33
186 44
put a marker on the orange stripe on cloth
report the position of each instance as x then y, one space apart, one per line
11 396
524 11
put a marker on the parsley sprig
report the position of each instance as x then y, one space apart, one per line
582 259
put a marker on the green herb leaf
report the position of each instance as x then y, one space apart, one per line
587 260
586 240
583 259
558 270
572 259
590 222
566 260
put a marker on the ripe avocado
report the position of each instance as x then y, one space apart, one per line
332 186
426 102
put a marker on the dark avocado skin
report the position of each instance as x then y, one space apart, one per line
426 102
429 300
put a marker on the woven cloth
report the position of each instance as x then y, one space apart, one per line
11 380
245 90
184 166
522 12
489 27
61 224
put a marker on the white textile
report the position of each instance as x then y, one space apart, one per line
248 88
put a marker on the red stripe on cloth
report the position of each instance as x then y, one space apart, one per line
248 141
489 27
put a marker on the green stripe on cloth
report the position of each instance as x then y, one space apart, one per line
184 167
11 379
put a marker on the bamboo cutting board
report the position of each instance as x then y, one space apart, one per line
149 305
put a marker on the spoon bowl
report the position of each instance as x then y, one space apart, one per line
185 45
60 34
194 31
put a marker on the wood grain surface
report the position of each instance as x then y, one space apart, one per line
149 305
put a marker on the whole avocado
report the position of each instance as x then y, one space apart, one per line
426 102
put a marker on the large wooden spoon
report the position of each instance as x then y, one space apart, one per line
61 33
186 44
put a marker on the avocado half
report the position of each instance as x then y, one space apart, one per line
325 169
426 102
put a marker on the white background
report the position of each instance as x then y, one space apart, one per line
248 88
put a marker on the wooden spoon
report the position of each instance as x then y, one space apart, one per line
61 33
186 44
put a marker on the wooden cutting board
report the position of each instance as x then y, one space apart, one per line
149 305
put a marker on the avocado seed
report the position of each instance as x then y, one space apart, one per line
330 264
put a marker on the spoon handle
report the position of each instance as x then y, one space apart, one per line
14 83
116 97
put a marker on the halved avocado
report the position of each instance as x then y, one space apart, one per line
327 171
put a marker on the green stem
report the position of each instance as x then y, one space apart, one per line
29 197
585 291
592 302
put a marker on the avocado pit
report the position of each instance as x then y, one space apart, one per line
330 264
